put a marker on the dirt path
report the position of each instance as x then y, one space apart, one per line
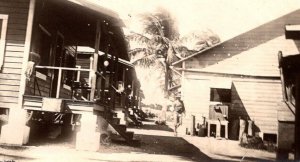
157 144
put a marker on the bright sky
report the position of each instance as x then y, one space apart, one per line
227 18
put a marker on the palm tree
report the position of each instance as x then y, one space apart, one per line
154 46
158 44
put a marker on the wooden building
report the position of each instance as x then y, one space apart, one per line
41 70
288 119
241 73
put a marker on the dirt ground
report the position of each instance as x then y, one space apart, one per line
157 143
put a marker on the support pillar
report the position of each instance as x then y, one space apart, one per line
192 126
297 120
15 132
95 59
88 138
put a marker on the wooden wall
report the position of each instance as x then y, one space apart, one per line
10 75
254 98
43 83
250 61
259 100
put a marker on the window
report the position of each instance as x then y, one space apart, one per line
3 29
220 95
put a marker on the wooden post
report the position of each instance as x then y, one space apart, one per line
115 80
192 127
58 82
95 63
297 119
133 93
124 83
282 76
138 98
26 51
112 82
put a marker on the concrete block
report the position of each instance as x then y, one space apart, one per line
52 104
89 141
88 138
15 132
12 134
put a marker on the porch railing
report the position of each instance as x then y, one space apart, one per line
59 76
115 90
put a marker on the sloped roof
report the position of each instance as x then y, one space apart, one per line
195 54
253 53
262 30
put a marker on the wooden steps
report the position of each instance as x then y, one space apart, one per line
118 139
122 131
116 121
140 113
134 120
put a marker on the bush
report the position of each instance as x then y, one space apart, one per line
254 143
160 122
151 115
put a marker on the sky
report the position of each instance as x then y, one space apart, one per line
226 18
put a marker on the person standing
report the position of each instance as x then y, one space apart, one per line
179 110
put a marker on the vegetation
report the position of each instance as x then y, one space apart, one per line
257 143
159 44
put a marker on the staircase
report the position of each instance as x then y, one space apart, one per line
121 130
140 113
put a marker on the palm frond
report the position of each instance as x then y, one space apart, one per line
152 24
144 60
158 39
134 36
135 51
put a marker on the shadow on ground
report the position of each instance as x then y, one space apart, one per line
156 141
154 127
240 158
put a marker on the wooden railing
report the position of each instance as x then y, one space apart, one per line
111 91
59 77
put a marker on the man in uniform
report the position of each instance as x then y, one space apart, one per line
179 110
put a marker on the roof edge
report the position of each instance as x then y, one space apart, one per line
197 53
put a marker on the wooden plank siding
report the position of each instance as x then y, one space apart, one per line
17 11
65 93
43 85
258 101
250 62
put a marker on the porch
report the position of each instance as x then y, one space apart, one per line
60 86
